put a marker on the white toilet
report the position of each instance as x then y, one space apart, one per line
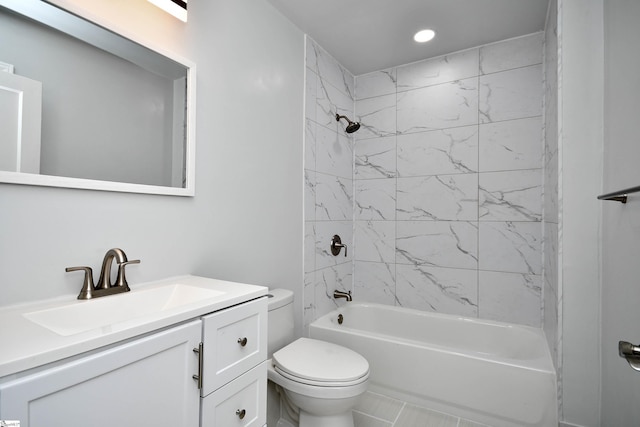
319 382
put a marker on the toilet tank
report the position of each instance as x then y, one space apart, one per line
280 320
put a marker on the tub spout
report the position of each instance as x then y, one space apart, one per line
341 294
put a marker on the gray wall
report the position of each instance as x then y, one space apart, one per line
245 222
621 223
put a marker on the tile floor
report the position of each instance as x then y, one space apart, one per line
376 410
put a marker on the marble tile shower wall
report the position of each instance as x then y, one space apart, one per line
328 180
448 183
551 225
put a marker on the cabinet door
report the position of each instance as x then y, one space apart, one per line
235 340
144 382
241 403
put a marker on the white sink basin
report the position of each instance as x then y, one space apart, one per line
82 316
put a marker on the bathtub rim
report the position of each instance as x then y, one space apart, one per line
543 364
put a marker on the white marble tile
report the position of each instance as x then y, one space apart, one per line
511 195
310 133
551 255
310 94
443 290
510 145
309 247
328 280
438 197
441 106
513 53
334 153
445 151
443 69
551 197
375 199
377 117
551 166
324 231
510 297
375 158
330 101
510 247
551 169
310 59
375 241
376 84
334 198
552 292
437 243
550 318
309 195
309 297
374 282
329 69
512 94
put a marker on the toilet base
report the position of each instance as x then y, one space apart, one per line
339 420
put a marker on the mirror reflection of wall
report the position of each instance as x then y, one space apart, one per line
103 117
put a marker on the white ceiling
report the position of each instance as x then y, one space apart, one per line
370 35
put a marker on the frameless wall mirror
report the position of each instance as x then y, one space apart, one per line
83 107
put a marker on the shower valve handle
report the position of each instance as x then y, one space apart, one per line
337 245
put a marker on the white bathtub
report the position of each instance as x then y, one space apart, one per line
489 372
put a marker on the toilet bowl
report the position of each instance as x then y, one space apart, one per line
324 381
319 382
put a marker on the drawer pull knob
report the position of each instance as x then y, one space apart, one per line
242 341
241 413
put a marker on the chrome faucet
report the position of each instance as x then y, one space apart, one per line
104 286
341 294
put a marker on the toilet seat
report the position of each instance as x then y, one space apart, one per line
320 363
320 383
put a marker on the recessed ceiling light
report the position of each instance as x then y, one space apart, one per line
424 36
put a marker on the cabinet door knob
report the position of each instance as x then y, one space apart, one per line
241 413
242 341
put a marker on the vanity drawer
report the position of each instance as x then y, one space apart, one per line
241 403
235 340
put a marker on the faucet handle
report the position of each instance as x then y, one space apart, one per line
121 280
87 284
336 245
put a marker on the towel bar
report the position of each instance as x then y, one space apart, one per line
619 196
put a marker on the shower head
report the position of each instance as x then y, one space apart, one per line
351 127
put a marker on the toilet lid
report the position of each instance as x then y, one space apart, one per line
320 362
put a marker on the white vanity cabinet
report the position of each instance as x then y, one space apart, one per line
144 382
234 373
153 379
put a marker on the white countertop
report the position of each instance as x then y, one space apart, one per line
25 344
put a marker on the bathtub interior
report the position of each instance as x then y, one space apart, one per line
491 372
496 341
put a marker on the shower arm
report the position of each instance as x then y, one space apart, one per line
338 117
